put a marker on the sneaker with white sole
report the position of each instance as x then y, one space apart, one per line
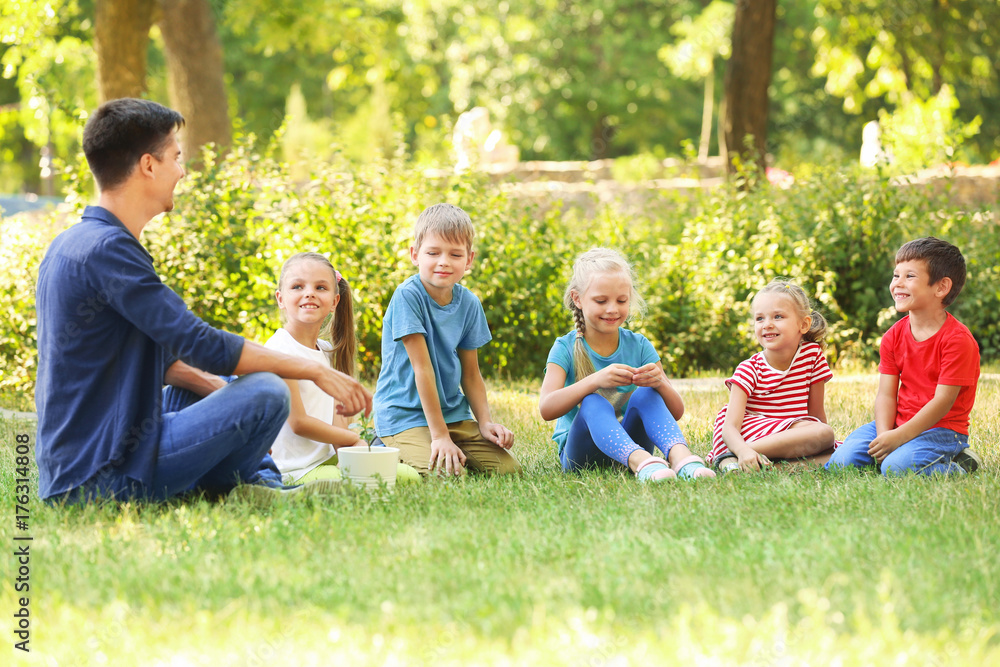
269 493
969 460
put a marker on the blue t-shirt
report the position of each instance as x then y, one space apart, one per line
108 328
633 350
459 325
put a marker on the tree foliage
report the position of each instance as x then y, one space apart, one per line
565 80
699 259
893 52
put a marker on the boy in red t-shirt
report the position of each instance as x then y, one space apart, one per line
929 371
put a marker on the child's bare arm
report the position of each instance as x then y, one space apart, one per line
889 441
555 400
302 424
817 397
475 391
885 403
444 452
732 430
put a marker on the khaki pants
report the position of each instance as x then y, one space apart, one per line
481 455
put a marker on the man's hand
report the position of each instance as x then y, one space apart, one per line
351 396
497 434
446 456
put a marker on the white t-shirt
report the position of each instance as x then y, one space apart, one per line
295 455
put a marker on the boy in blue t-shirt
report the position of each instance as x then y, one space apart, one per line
430 386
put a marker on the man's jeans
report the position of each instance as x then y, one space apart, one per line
207 444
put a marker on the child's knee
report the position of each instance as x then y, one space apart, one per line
509 466
496 462
851 454
825 437
595 402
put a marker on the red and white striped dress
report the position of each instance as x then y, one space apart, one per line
775 399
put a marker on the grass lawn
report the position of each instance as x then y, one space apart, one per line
781 568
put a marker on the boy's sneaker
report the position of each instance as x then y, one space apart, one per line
969 460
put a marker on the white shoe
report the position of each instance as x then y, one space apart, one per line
267 495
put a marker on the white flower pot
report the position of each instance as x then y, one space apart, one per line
368 467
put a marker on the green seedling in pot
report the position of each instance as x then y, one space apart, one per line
365 428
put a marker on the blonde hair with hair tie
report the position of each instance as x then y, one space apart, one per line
803 307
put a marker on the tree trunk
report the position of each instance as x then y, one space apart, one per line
747 79
121 37
195 69
706 116
600 138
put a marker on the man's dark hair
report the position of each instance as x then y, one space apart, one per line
122 131
943 261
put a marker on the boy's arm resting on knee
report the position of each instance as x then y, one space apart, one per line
442 445
930 414
885 403
353 397
183 376
887 442
475 391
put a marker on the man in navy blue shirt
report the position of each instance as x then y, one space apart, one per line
111 335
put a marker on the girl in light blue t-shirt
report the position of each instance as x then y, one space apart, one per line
605 384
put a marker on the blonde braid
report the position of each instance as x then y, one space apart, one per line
593 262
583 365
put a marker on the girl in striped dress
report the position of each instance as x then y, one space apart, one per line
775 408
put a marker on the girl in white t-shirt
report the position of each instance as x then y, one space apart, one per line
318 323
776 396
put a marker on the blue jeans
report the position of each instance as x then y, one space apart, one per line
597 439
930 453
206 444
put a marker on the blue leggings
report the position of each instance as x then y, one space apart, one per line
597 439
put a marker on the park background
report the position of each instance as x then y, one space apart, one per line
328 126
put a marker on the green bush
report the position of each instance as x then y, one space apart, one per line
836 234
699 259
21 252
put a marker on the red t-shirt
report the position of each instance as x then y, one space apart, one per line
949 357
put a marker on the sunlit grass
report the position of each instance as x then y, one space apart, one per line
784 569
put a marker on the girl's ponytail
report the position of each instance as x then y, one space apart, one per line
343 336
817 329
340 334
